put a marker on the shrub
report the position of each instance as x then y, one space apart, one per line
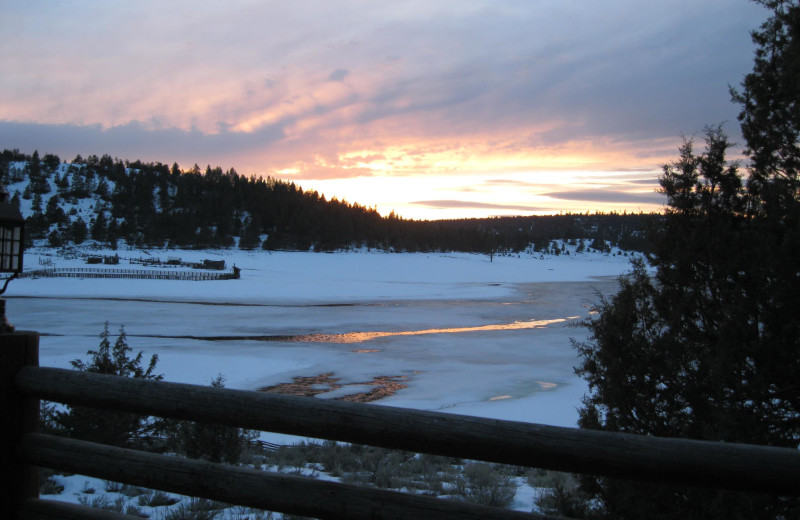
287 457
194 509
248 513
113 487
561 496
101 502
132 510
481 483
132 491
49 486
107 427
153 498
211 442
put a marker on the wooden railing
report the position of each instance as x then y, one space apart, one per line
676 461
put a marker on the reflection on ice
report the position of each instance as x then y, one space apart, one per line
447 355
360 337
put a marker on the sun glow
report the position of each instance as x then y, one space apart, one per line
361 337
479 177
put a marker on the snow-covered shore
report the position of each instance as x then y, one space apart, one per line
296 277
522 373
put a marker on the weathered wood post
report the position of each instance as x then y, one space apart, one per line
20 414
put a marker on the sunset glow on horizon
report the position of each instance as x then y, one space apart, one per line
452 109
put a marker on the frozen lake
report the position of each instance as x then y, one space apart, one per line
476 342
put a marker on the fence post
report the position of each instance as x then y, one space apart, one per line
18 481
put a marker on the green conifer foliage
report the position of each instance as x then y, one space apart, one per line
211 442
108 427
708 347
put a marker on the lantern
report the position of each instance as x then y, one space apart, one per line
12 235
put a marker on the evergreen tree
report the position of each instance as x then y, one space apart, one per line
36 203
35 167
770 116
251 238
112 234
108 427
81 186
54 239
710 348
102 189
62 182
38 177
211 442
78 231
51 161
54 213
100 227
36 224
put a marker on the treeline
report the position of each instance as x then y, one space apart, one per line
156 205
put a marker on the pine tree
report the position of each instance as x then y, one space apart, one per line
100 227
62 183
112 235
211 442
54 239
251 238
770 116
78 230
108 427
36 224
54 213
709 348
102 189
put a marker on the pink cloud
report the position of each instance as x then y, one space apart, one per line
324 90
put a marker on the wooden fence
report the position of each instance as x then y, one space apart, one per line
719 465
142 274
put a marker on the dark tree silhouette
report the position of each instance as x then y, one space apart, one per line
709 348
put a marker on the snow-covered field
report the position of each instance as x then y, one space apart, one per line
465 335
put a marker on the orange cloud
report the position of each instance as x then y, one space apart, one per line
450 95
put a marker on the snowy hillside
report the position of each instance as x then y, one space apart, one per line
108 202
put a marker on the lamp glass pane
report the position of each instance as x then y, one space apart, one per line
10 247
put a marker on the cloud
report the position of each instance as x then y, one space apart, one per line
607 195
506 182
338 75
632 71
465 204
129 141
318 90
645 182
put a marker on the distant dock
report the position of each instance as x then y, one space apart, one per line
140 274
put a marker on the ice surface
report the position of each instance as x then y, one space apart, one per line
254 331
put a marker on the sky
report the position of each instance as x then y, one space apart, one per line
431 109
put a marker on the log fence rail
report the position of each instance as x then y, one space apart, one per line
741 467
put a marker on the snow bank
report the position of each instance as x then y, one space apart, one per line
313 278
